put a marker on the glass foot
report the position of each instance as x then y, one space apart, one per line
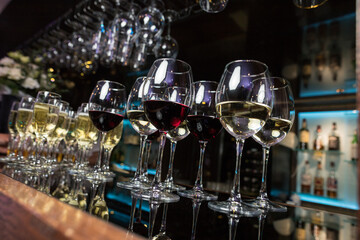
134 184
98 177
156 196
196 194
234 208
172 187
266 205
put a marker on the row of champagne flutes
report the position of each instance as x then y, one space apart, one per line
48 121
246 102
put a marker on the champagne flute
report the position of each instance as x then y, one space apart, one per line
204 125
107 110
175 135
45 119
138 120
274 131
167 97
23 120
12 131
243 102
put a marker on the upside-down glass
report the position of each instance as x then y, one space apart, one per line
213 6
273 132
138 120
167 96
243 103
107 110
204 125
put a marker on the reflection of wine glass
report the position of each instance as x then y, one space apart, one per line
204 125
196 204
98 205
138 120
175 135
107 110
213 6
273 132
162 233
167 96
309 4
243 104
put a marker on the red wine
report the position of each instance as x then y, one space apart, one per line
165 115
105 121
204 128
154 136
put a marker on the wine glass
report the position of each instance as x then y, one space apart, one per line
213 6
243 102
13 133
167 97
204 125
138 120
274 131
175 135
107 110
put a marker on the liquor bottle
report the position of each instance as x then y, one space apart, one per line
332 182
306 179
334 139
300 230
304 136
318 143
354 147
319 181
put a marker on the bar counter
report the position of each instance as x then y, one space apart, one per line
29 214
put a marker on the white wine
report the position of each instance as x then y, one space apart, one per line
93 134
82 128
242 119
113 137
140 122
23 119
70 137
11 122
179 133
273 132
61 127
45 118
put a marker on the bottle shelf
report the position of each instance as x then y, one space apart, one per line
334 152
335 202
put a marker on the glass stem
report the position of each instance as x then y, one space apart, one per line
198 186
132 213
38 150
141 158
138 217
163 220
235 191
94 188
157 178
146 160
196 208
169 178
97 167
105 166
21 148
154 206
263 189
262 218
233 222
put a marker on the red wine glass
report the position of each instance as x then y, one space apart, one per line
204 124
107 110
167 97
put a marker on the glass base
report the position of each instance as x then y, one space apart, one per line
171 186
234 208
134 184
196 194
155 195
266 205
99 177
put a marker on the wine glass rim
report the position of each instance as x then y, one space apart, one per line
175 60
117 83
52 93
285 84
201 81
248 60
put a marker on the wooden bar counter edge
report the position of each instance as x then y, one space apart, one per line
26 213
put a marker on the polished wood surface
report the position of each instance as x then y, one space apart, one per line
26 213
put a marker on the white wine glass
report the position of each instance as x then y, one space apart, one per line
140 123
274 131
243 103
